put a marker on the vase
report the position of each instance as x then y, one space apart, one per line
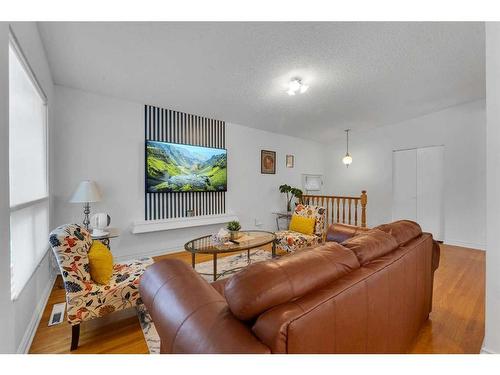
234 234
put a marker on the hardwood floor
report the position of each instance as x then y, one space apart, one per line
456 324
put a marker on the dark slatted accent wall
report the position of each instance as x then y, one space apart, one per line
178 127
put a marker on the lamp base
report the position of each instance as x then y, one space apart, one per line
86 212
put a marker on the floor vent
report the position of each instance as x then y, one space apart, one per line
57 314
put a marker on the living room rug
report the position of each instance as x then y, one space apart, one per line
224 264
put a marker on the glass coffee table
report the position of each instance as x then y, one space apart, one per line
250 239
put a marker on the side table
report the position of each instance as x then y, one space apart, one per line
112 233
282 215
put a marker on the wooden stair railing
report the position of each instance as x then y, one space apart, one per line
340 209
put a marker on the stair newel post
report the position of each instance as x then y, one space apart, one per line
364 201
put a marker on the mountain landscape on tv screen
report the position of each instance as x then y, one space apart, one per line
176 168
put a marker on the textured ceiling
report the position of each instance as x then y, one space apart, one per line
360 74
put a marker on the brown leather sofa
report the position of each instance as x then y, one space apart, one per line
370 294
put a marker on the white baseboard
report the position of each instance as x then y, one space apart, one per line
486 351
29 334
470 245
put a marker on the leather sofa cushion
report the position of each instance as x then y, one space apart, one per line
219 286
266 284
371 244
339 233
403 230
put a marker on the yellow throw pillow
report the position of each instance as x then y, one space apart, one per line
100 262
301 224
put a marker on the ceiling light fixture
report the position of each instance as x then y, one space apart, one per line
347 159
296 86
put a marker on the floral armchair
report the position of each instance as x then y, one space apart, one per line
290 241
86 299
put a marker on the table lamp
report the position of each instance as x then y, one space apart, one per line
86 193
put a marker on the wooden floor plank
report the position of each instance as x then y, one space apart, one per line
456 324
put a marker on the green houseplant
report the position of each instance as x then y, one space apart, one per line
233 227
291 193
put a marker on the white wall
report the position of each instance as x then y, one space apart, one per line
23 313
102 138
252 195
492 333
461 129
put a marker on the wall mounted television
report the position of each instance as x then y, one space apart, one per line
174 167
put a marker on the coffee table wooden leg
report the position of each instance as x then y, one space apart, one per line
273 252
248 256
215 267
193 260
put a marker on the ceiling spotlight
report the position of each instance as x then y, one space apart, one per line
296 86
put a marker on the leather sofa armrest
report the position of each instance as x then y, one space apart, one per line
340 232
436 255
190 315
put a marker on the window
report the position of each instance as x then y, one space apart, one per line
28 170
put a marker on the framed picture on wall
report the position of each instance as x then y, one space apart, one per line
289 161
267 162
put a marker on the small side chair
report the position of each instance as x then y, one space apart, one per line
290 241
86 299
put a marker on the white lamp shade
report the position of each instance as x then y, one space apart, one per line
347 160
87 191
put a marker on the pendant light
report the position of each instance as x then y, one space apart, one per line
347 159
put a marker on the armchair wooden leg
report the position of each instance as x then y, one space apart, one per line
75 336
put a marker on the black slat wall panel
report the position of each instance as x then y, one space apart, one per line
166 125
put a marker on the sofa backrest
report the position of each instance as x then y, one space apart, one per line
402 230
264 285
370 245
338 232
71 244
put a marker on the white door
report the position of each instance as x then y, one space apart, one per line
417 182
404 185
430 183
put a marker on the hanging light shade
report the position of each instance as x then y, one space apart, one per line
296 86
347 159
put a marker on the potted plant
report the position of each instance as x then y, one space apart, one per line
233 227
291 193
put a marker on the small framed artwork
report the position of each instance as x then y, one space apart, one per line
289 161
267 162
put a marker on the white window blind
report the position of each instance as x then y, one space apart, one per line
28 171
